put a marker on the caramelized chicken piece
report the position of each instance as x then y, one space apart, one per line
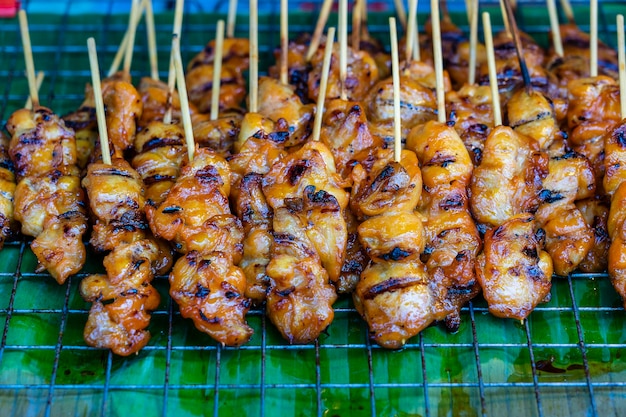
256 216
596 213
310 239
51 208
513 270
452 240
362 74
209 289
123 298
200 85
298 67
617 231
154 96
345 131
278 101
218 134
417 99
83 122
615 157
393 294
40 142
161 150
532 114
196 217
356 258
117 203
123 109
508 181
593 111
471 112
568 236
7 191
235 54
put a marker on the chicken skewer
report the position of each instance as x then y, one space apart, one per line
124 297
513 270
48 200
196 217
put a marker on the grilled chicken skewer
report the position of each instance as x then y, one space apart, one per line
7 191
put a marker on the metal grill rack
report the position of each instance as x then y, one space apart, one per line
566 359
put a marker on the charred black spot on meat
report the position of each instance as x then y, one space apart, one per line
549 196
395 255
201 291
297 171
161 142
285 292
530 251
172 209
294 205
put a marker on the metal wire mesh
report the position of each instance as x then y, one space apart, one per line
564 360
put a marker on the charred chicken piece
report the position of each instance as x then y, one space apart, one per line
219 134
595 212
124 108
7 191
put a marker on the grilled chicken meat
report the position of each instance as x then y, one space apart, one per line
154 98
362 74
452 240
393 295
297 66
199 78
83 122
593 110
310 238
219 134
596 213
7 191
196 217
49 202
124 107
160 151
470 110
508 181
513 270
568 236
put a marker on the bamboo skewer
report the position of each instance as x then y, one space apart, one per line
567 9
29 102
328 52
319 28
401 12
411 30
171 75
343 46
121 50
152 48
395 74
232 17
254 58
505 18
217 70
97 93
493 77
518 45
473 41
284 42
28 58
132 29
182 92
438 58
593 41
356 25
621 56
554 26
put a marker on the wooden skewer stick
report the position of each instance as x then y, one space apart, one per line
416 38
621 56
321 98
28 58
232 17
343 46
254 58
411 30
121 50
284 42
438 57
469 10
152 48
567 9
319 28
97 93
401 12
518 45
395 75
493 77
171 76
132 29
473 41
365 34
38 81
356 25
554 26
184 101
217 70
505 18
593 41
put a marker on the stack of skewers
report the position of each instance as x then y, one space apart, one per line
410 181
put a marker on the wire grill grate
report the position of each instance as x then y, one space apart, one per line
565 359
